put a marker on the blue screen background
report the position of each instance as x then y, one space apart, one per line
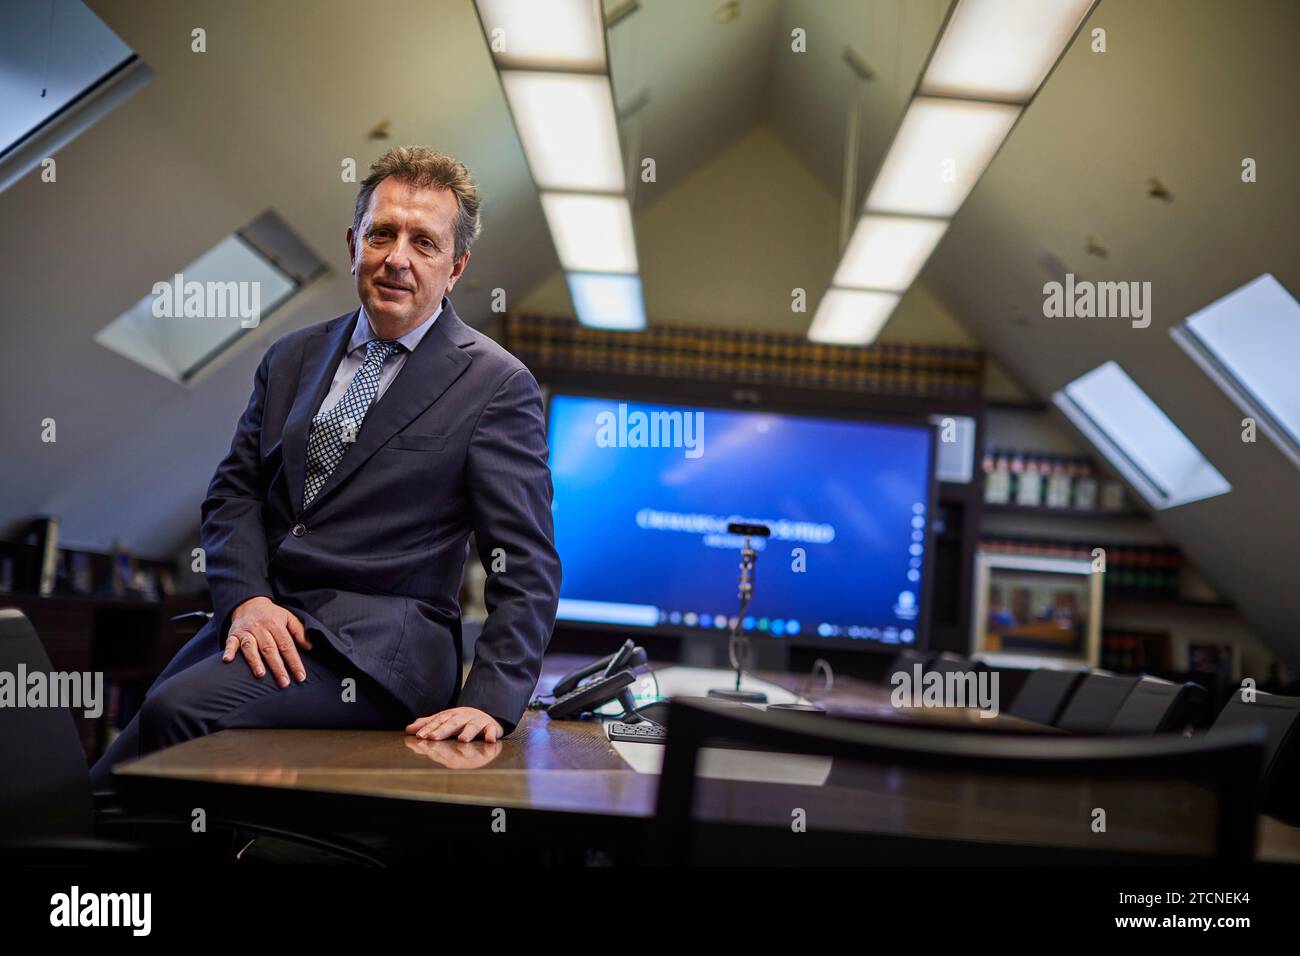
868 481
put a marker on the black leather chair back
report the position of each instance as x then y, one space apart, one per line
1094 705
1279 780
1155 707
1044 694
44 780
750 819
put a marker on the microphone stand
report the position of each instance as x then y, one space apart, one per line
748 558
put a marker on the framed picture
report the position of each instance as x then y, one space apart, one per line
1036 611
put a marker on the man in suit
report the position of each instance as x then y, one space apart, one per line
336 528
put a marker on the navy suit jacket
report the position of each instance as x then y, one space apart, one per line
457 443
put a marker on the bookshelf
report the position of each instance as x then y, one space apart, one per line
549 344
1041 511
1157 618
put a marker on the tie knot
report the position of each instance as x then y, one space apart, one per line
378 350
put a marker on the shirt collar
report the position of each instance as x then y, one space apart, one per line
363 333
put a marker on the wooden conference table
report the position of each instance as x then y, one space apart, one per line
563 784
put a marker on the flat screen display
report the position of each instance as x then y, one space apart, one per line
644 493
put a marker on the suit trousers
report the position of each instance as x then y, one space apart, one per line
198 693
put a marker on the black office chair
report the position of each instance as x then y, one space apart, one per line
1157 706
1095 703
47 813
1227 763
46 790
49 816
1279 776
1044 694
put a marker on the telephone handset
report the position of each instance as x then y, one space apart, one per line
573 697
626 657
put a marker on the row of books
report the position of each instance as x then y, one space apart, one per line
1128 651
1038 480
1136 570
745 355
1125 650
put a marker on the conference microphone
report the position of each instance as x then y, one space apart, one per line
748 558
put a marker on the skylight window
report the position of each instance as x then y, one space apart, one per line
63 70
190 318
1138 438
1247 342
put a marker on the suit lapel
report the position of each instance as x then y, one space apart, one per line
320 359
429 371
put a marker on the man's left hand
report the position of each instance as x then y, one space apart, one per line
465 723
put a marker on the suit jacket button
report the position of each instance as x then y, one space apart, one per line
299 530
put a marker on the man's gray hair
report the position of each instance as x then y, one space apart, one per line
423 167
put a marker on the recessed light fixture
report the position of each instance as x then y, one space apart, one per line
555 35
568 129
939 153
986 67
1001 49
851 316
551 60
608 301
886 252
592 233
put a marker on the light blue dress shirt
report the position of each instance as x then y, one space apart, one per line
356 354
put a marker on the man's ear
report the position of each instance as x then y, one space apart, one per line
352 251
457 269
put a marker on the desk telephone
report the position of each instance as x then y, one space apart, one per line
574 697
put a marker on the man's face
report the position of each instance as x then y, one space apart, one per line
402 258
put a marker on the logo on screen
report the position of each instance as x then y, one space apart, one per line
906 607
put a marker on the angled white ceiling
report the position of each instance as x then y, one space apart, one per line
1186 90
288 90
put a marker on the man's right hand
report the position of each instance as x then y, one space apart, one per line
266 634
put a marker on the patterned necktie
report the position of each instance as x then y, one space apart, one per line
334 430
